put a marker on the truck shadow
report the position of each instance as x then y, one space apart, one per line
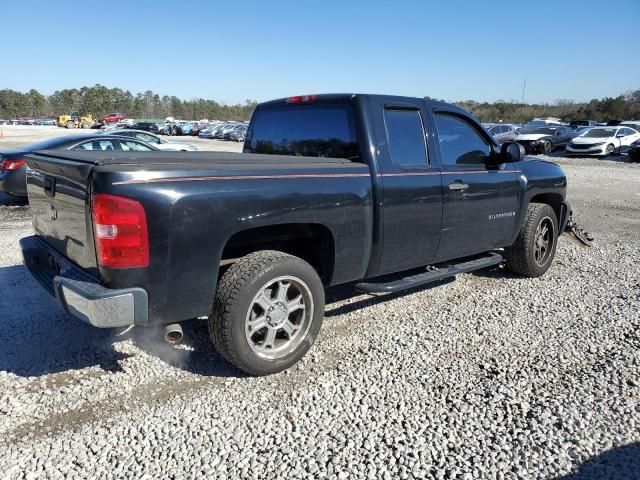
617 463
40 339
195 354
12 201
343 292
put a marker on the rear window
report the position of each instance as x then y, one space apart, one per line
304 130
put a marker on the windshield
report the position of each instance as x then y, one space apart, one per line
600 133
542 131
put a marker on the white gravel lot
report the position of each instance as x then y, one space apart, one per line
488 376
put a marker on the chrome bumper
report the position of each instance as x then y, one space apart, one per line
80 294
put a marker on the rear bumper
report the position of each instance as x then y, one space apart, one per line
79 293
14 182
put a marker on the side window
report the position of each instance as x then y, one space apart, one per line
132 145
405 136
106 145
460 143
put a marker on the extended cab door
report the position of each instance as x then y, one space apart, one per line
411 209
480 199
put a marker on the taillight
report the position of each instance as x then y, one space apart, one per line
301 99
120 231
12 164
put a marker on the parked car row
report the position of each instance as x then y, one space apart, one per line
13 167
28 121
157 141
235 131
579 137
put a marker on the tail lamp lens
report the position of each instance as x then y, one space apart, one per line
12 164
120 231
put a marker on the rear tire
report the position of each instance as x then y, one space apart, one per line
533 251
267 312
70 124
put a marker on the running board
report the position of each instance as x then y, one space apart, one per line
432 275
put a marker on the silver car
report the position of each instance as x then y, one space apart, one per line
503 132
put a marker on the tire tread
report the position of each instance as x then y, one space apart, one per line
516 255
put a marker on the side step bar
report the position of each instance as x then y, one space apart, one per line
432 275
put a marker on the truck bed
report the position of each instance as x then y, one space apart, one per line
195 202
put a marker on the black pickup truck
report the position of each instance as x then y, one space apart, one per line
364 190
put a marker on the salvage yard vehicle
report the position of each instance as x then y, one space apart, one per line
112 118
503 133
13 166
330 189
146 126
75 120
155 140
634 151
544 139
579 124
603 141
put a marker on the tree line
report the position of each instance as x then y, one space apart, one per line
622 107
100 100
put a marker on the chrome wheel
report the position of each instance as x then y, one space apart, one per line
610 149
279 317
547 147
543 241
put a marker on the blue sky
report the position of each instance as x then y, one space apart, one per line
232 51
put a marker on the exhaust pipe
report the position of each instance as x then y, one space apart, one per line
173 333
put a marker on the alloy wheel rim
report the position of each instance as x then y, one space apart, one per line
543 241
279 317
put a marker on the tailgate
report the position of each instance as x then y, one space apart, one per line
59 206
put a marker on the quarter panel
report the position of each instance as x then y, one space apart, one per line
190 221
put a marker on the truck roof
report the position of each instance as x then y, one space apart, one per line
343 97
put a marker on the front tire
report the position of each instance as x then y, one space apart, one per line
547 147
70 124
609 150
533 251
267 312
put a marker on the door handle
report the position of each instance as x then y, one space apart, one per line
458 186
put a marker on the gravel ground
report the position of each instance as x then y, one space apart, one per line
487 376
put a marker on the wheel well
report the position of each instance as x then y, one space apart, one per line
554 200
312 242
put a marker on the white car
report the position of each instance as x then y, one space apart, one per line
155 140
603 141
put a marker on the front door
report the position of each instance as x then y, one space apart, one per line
479 200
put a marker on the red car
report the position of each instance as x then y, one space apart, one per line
112 117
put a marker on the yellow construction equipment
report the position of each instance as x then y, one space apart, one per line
74 120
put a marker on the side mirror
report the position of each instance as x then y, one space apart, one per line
620 135
511 152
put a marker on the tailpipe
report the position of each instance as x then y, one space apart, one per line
173 333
